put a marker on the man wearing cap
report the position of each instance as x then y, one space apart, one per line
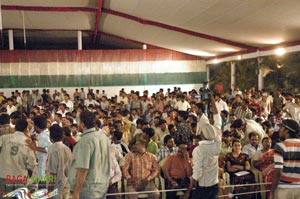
286 181
205 158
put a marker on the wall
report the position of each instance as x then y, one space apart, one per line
103 69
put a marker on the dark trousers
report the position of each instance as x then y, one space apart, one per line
206 192
113 189
183 183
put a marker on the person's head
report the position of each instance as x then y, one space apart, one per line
56 133
57 117
266 143
236 145
148 134
289 129
40 123
117 136
199 108
182 116
140 146
245 103
227 136
74 128
15 116
4 119
162 124
21 125
139 123
87 120
254 138
169 141
182 149
208 132
172 129
67 97
224 115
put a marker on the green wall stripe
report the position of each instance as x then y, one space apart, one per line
102 80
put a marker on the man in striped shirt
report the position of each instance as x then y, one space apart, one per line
286 181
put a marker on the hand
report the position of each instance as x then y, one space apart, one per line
174 184
185 196
271 195
31 144
130 181
75 196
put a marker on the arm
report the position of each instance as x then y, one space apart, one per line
33 146
80 179
277 175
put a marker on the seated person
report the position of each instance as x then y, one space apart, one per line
152 146
236 162
253 146
177 170
135 162
169 148
263 160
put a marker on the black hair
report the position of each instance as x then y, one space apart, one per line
167 138
149 131
56 133
21 124
40 121
4 119
201 106
252 134
88 119
118 135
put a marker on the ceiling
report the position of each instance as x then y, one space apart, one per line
206 28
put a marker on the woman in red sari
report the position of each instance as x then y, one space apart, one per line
263 160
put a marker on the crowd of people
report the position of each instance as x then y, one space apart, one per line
95 145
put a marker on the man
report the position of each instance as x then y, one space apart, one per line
182 104
16 157
243 111
169 148
199 109
286 180
58 162
253 146
40 126
68 102
136 162
184 130
161 131
10 106
89 172
177 170
205 159
5 127
220 104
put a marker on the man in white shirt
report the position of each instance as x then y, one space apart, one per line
220 104
205 158
199 109
182 104
253 146
68 102
10 108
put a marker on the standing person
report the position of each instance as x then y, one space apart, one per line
286 181
58 162
89 172
40 126
16 157
205 158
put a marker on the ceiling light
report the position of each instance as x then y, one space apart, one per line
199 53
280 51
216 61
144 47
239 57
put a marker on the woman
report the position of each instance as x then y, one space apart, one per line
263 160
238 167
